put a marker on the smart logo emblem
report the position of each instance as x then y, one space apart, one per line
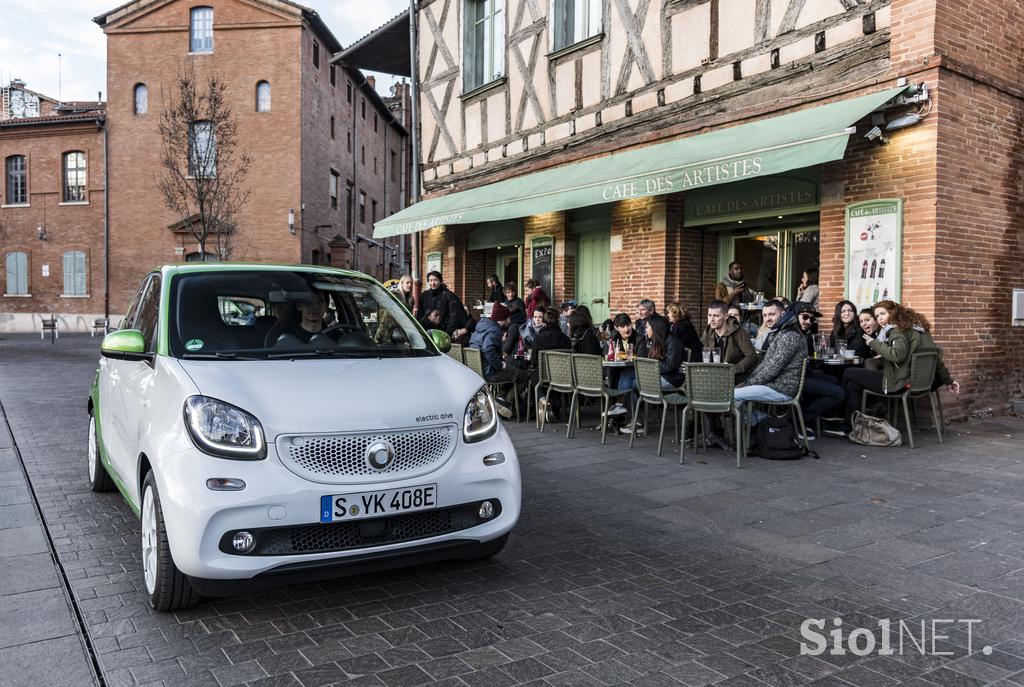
379 455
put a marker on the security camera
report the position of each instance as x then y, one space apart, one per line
875 133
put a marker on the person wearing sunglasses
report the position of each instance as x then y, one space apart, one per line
822 392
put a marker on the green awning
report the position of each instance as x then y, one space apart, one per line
768 146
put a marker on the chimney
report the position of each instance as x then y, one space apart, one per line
372 80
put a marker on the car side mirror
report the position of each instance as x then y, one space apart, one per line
126 344
441 340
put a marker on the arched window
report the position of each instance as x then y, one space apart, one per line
74 177
141 99
200 29
16 266
75 277
17 180
263 96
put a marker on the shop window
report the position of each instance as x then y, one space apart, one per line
16 169
484 39
140 101
16 266
75 273
74 177
201 29
263 96
574 21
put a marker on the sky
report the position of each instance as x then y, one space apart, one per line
35 31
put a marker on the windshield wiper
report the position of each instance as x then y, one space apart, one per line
327 353
221 355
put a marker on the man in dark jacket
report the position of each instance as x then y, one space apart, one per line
437 295
729 337
821 391
487 338
777 377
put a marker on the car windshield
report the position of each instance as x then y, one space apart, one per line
270 314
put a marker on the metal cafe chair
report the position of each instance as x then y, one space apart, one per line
649 392
473 360
560 377
589 382
543 379
922 374
455 353
794 406
710 388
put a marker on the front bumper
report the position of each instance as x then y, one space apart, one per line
276 500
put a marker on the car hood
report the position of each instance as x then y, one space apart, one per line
339 395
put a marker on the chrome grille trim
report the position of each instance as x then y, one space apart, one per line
340 458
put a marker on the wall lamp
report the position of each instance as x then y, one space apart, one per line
41 233
291 221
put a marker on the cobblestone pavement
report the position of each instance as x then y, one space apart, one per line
626 568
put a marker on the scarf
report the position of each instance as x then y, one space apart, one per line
730 282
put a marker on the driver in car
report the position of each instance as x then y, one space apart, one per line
311 316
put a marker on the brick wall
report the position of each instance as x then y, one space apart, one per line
68 227
563 265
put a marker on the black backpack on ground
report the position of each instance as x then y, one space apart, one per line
775 438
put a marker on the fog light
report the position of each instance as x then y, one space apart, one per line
494 459
486 510
243 542
224 484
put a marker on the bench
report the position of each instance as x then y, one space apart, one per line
100 324
49 324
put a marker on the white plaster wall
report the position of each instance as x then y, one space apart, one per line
496 117
591 79
473 132
736 25
690 32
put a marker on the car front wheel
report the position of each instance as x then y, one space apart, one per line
99 479
168 588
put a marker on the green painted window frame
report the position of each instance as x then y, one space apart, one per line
484 49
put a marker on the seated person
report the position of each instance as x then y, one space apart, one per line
773 310
549 337
748 326
777 377
729 338
433 319
311 316
682 328
624 338
822 392
846 328
487 338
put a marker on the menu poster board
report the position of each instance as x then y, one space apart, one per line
542 253
434 263
874 251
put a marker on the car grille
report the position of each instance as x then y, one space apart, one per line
341 458
343 536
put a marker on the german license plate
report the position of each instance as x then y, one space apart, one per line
376 504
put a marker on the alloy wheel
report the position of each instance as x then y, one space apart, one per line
149 540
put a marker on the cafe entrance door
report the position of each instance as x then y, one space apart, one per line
774 258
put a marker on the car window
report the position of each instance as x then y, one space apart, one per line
148 313
129 315
254 313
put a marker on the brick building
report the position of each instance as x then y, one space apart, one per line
636 154
51 210
326 150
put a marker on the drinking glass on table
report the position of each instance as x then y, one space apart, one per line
706 353
841 348
716 355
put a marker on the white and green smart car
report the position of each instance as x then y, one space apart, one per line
273 422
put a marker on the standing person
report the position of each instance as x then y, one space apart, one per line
494 291
777 377
821 392
487 338
681 327
808 291
733 285
535 296
729 338
846 327
582 333
439 297
404 292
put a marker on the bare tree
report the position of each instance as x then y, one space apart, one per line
203 170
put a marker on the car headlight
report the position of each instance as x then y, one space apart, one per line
481 419
222 430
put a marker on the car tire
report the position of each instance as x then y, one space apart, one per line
487 549
99 478
167 587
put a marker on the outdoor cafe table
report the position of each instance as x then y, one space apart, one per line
617 363
838 362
